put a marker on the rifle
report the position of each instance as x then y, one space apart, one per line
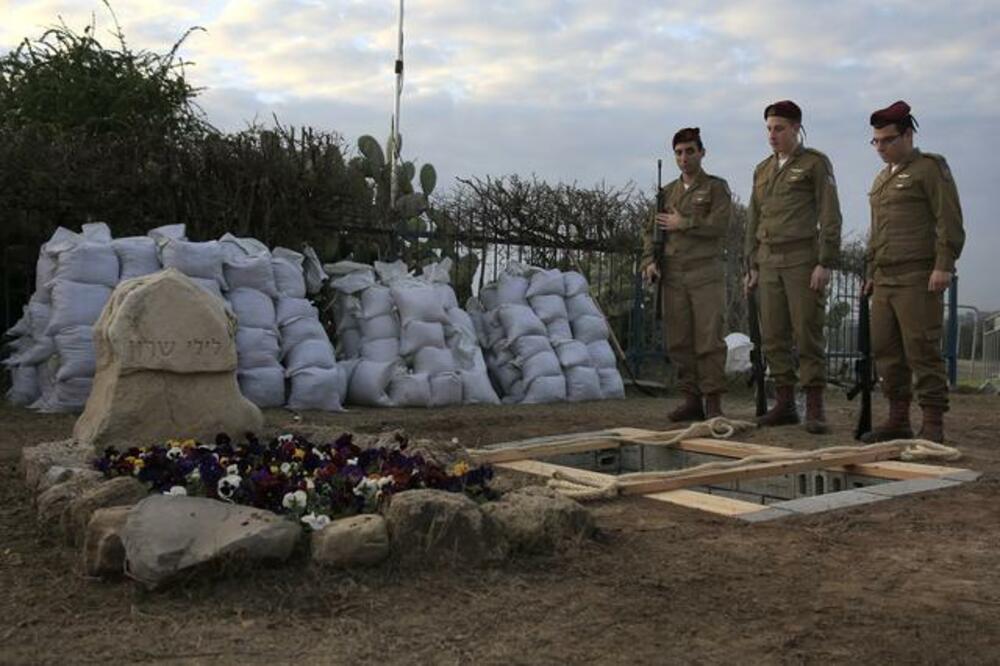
863 369
659 240
756 354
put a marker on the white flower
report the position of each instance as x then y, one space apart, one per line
228 486
316 522
194 475
174 452
176 491
285 439
295 501
310 484
286 468
385 481
207 447
233 469
352 461
454 440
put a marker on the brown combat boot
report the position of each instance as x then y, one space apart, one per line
783 412
689 410
713 405
933 426
897 426
815 418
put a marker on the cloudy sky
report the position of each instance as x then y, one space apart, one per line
586 91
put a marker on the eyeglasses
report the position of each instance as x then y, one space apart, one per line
885 141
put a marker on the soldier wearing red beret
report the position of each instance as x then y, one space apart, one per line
792 242
916 238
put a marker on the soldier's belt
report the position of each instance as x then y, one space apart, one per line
781 247
905 267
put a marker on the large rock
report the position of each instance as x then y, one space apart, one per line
536 519
120 491
103 550
437 527
58 474
166 367
37 460
358 541
54 503
167 535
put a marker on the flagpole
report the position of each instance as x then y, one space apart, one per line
394 139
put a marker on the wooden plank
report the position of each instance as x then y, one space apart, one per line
547 447
756 471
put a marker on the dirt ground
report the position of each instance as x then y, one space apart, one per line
910 580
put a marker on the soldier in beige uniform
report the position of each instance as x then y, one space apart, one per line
696 215
792 243
916 238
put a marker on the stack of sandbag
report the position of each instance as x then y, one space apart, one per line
84 271
589 327
545 338
315 379
519 354
408 342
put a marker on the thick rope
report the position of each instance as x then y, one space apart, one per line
582 488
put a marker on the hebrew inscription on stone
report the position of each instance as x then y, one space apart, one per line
148 350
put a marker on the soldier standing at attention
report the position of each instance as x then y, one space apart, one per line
792 242
696 216
916 237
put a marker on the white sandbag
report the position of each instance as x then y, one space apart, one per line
602 354
515 394
212 287
256 348
489 296
299 330
583 383
382 350
410 390
382 326
559 329
446 389
251 273
196 260
318 388
418 302
23 325
45 267
40 313
512 290
168 232
588 329
264 387
506 376
234 247
288 309
355 278
376 301
137 256
419 334
75 346
96 232
68 396
461 338
91 263
40 351
392 273
349 343
520 320
346 311
545 364
24 388
369 383
546 283
575 284
346 372
572 353
527 346
253 309
611 383
581 305
76 304
477 389
460 320
434 361
312 270
492 333
438 272
549 307
288 275
310 354
446 295
738 348
545 389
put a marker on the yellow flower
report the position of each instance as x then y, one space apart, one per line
299 454
188 444
459 468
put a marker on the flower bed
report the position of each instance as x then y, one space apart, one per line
290 475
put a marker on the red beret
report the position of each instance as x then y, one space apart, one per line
897 112
786 108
